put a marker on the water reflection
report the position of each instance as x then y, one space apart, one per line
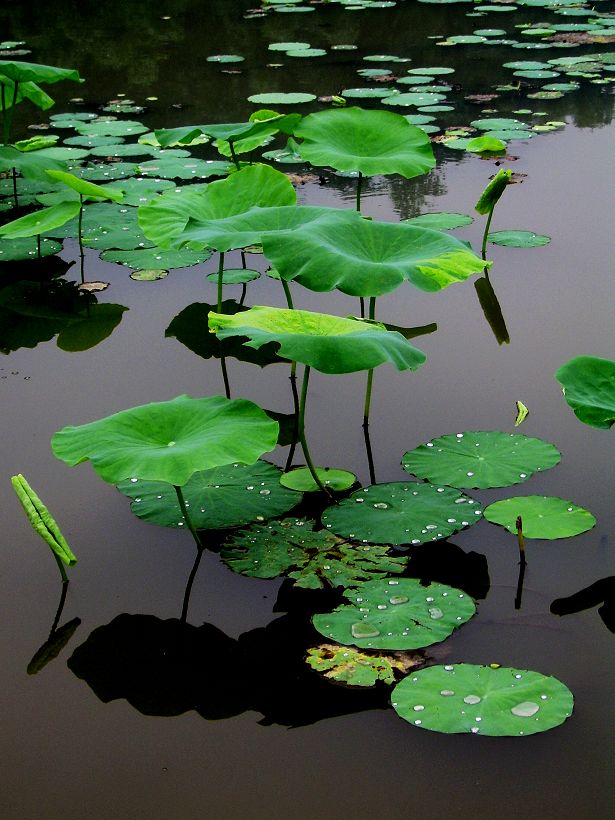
600 594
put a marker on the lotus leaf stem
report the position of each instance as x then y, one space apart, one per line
220 281
188 519
370 374
483 249
287 293
227 386
359 186
15 187
8 114
306 452
233 154
81 254
520 539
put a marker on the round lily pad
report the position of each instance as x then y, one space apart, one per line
481 460
402 513
227 496
225 58
184 168
104 171
151 275
542 516
397 613
498 124
235 276
301 479
500 701
588 383
287 46
518 239
376 93
282 98
441 221
431 70
14 250
148 258
413 98
306 52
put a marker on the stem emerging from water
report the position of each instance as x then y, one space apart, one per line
79 231
359 186
370 375
306 452
220 280
483 249
520 540
199 547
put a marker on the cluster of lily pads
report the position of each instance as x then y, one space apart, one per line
196 462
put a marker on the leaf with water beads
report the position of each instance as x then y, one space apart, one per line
588 384
351 667
227 496
542 516
518 239
480 460
504 702
398 613
301 479
14 250
312 559
402 513
441 220
184 168
155 258
110 128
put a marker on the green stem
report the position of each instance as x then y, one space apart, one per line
370 375
8 115
520 540
61 568
15 188
234 155
227 386
289 299
80 232
220 280
483 249
191 577
306 452
58 614
359 186
187 518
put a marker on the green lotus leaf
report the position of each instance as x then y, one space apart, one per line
347 665
139 190
542 516
151 258
518 239
149 275
63 153
282 98
235 276
402 513
88 331
371 92
440 221
25 91
110 226
416 98
225 58
104 171
37 142
29 164
312 559
463 697
371 142
86 189
588 384
499 124
257 186
14 250
493 191
480 460
227 496
396 613
40 221
20 72
183 168
367 258
125 149
432 70
301 479
110 127
330 344
228 131
294 46
170 440
486 143
42 521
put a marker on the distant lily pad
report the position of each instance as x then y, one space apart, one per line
413 98
312 559
402 513
235 276
397 613
441 221
287 46
225 58
505 702
151 275
282 98
480 460
542 516
301 479
227 496
518 239
588 383
111 128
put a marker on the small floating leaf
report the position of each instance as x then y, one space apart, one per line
543 516
518 239
347 665
301 479
441 221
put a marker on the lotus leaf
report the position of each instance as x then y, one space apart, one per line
14 250
19 72
225 58
440 221
402 513
86 189
301 479
330 344
370 142
588 384
480 460
28 164
311 559
486 143
518 239
227 496
104 171
149 275
375 93
110 128
282 98
169 441
370 258
138 190
40 221
396 613
229 131
493 191
347 665
183 168
235 276
42 521
25 91
542 516
499 701
151 257
417 98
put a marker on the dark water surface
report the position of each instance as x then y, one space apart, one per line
66 753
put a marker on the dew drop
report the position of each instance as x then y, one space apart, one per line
435 613
264 492
417 722
382 606
449 668
364 630
470 473
429 599
393 583
525 709
522 475
472 699
419 707
359 500
446 693
134 480
399 599
380 505
474 730
250 487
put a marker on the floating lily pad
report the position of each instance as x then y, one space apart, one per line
312 559
536 74
498 124
224 58
151 275
110 128
169 441
480 460
14 250
441 221
301 479
124 149
139 190
415 98
518 239
588 383
155 258
431 70
486 144
543 516
104 171
282 98
402 513
463 697
375 92
227 496
292 46
235 276
92 142
397 613
347 665
184 168
306 52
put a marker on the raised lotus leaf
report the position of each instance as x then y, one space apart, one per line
480 459
228 496
313 559
486 700
20 72
350 666
402 513
396 613
170 440
542 516
328 343
588 384
493 191
41 221
371 142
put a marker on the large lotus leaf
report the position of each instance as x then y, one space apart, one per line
164 220
330 344
169 440
20 72
402 513
110 127
229 131
480 459
86 189
156 258
28 164
588 384
312 559
183 168
542 516
88 331
25 91
500 701
396 613
222 497
14 250
251 227
349 666
366 258
41 221
107 227
372 142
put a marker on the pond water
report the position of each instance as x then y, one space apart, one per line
263 737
